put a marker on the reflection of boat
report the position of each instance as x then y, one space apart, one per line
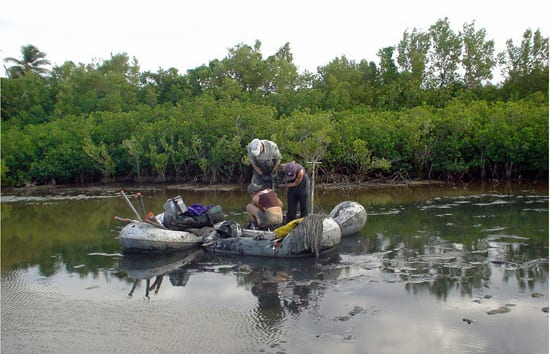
298 269
313 235
145 267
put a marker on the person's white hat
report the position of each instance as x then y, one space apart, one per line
255 147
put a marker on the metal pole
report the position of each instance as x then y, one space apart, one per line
141 204
312 186
131 206
126 220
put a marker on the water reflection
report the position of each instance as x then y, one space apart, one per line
429 257
281 286
457 243
153 268
451 239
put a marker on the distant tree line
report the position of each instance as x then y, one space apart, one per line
426 109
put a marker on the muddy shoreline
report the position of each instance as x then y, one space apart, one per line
377 184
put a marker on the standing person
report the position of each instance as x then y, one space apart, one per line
297 182
264 156
266 209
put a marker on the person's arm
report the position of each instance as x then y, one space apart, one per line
256 199
282 169
276 166
296 182
256 202
274 170
256 168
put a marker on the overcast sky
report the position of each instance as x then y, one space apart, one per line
186 34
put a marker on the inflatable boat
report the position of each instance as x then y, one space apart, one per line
309 236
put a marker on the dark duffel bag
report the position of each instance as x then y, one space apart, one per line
183 221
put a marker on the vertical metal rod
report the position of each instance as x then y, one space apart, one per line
312 193
312 186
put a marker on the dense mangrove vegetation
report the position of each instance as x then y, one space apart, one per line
429 107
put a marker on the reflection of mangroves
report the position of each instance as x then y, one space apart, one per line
32 232
467 221
389 195
471 279
439 279
284 284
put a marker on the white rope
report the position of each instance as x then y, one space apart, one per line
308 234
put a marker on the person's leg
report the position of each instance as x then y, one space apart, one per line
252 213
304 204
273 219
302 195
292 201
261 218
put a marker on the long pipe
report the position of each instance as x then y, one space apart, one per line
131 206
126 220
140 199
155 224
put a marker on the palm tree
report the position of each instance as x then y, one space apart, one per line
31 62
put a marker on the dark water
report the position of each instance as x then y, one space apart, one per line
435 270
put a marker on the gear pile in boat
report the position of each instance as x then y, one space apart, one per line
177 216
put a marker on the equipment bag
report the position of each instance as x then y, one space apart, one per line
177 219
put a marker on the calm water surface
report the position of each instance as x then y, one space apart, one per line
435 270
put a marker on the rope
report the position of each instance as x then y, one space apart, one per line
308 234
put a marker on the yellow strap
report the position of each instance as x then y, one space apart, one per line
285 229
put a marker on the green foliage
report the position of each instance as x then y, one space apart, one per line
424 110
444 55
525 66
99 154
478 59
110 85
305 136
413 52
27 99
46 153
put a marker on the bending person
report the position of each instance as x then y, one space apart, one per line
297 183
266 209
264 156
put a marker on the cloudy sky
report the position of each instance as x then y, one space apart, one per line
186 34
